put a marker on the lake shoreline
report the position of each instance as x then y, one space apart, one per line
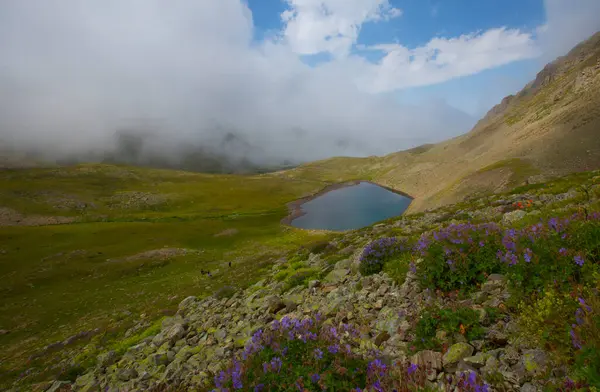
295 207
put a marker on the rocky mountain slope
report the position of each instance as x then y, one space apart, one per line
550 128
493 342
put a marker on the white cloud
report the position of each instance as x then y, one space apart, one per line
316 26
73 73
568 22
442 59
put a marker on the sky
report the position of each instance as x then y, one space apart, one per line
297 79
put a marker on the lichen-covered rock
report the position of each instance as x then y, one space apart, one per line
337 276
171 334
513 216
455 354
106 359
478 360
388 320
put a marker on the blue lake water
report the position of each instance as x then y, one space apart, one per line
351 207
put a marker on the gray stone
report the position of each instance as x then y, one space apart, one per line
314 283
388 320
382 337
171 335
529 387
535 362
126 374
158 359
106 359
513 216
220 335
491 365
58 386
497 338
87 381
337 276
428 359
185 304
478 360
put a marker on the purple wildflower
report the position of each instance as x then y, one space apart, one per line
579 260
562 251
334 349
318 353
412 368
412 267
315 378
276 364
527 255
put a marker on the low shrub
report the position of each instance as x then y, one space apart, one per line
397 267
585 335
543 323
300 277
378 252
464 321
458 257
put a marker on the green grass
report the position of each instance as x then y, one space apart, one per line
520 169
62 279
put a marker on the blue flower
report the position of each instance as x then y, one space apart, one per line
579 260
315 378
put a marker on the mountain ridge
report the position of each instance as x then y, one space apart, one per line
549 128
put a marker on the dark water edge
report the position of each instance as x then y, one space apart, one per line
296 210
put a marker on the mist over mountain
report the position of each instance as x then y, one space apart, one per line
194 78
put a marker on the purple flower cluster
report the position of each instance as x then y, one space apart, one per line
334 349
379 251
581 314
469 382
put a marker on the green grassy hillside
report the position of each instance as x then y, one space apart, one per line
133 242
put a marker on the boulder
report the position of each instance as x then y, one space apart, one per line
455 354
171 335
513 216
337 276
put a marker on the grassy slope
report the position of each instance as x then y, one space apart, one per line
56 280
550 128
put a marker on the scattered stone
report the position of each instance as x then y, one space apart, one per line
478 360
382 337
126 374
59 386
107 359
428 359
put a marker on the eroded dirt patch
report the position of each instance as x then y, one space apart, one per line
136 200
227 233
10 217
159 254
